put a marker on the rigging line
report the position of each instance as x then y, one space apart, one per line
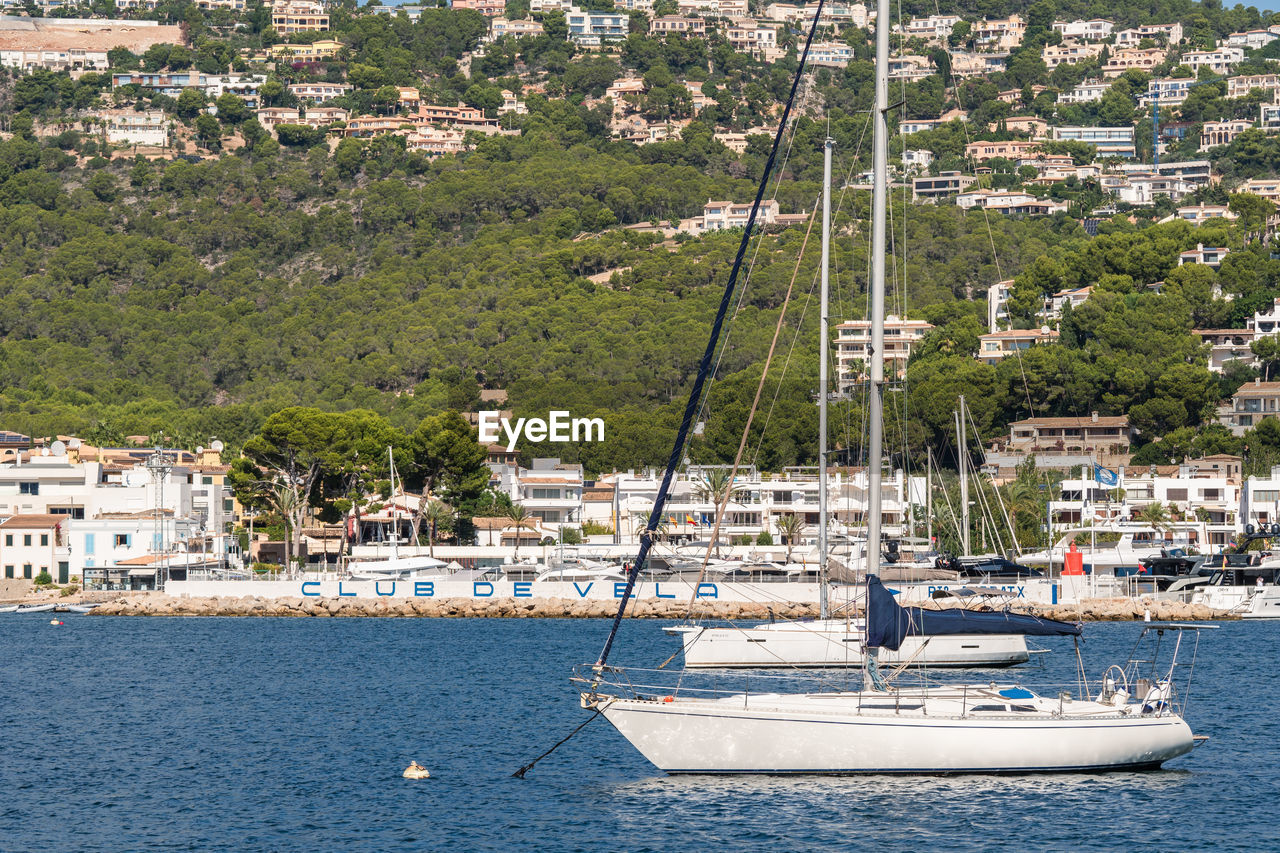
1013 534
724 345
704 367
519 774
755 456
755 404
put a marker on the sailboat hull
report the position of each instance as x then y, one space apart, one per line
836 643
841 734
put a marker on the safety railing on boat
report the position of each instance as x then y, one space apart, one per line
657 685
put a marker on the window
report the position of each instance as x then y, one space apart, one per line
44 538
8 540
26 540
28 488
1177 494
8 572
26 571
208 481
122 540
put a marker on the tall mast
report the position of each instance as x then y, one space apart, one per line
822 379
962 460
395 508
879 220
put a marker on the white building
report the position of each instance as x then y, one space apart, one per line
590 28
1168 92
1210 256
32 544
1219 60
130 127
933 28
1169 34
1084 93
1251 39
1094 29
319 92
1109 141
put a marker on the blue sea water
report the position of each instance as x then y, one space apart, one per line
291 734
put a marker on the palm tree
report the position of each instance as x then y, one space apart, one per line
520 517
715 486
436 514
790 526
1155 514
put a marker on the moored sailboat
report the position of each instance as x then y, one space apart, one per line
881 728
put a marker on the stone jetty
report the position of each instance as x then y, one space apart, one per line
1109 609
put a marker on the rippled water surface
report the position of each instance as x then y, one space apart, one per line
291 734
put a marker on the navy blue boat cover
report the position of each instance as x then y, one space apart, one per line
888 622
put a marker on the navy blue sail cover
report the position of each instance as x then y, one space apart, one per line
888 622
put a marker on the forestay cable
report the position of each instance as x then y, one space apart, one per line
704 367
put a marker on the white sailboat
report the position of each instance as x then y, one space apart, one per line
828 642
409 568
975 728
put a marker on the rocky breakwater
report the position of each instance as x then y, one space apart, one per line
507 608
1124 609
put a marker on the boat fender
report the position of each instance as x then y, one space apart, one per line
56 622
668 698
1120 698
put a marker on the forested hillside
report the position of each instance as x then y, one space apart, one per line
194 295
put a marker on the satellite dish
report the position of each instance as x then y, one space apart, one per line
134 479
216 446
199 448
44 451
58 449
74 443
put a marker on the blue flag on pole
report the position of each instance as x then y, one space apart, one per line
1105 476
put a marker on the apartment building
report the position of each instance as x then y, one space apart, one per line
1012 202
313 52
1167 92
1210 256
1268 188
748 36
1094 29
500 27
1109 141
1198 214
832 54
714 8
999 34
319 92
853 342
677 25
1226 346
1219 60
981 152
1069 53
299 16
723 215
1066 442
941 186
1239 87
436 141
488 8
1250 405
591 29
130 127
1215 133
1140 60
1169 34
994 347
933 28
1084 93
1250 39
